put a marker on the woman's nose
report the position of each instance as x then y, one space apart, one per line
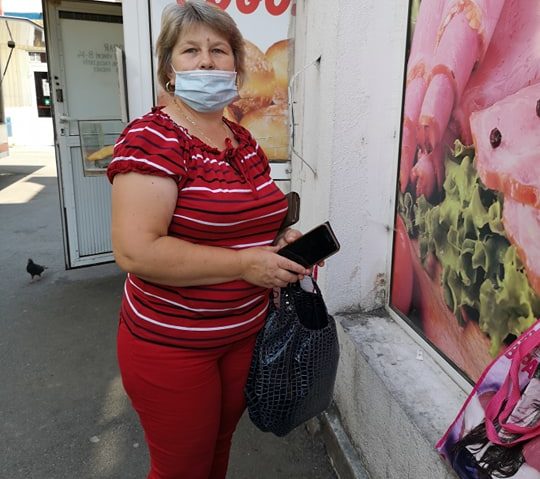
206 62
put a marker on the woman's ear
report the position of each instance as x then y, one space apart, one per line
171 75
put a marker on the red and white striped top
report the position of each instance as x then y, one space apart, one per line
225 198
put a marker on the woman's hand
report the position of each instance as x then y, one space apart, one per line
288 235
263 267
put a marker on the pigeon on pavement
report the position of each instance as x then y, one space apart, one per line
34 269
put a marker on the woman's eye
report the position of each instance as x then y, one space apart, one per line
218 50
190 50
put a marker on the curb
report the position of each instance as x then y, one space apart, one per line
343 456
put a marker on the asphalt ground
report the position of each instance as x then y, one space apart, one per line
63 411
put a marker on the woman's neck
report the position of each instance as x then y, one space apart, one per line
204 118
209 127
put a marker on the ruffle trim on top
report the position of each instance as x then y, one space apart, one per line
231 154
130 166
160 121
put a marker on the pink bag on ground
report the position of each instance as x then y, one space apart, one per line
496 434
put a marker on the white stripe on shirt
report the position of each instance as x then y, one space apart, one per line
155 132
249 245
142 160
187 328
230 224
219 190
198 310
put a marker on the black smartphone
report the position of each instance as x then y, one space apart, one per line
293 211
313 247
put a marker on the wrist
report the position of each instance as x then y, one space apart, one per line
240 261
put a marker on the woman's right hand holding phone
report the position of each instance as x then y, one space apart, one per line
264 267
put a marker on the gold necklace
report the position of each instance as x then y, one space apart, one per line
195 125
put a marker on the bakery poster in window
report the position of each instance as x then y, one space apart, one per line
466 265
263 104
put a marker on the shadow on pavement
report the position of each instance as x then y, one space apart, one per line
9 174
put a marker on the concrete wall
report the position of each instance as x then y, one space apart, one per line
347 110
28 129
395 402
347 106
20 104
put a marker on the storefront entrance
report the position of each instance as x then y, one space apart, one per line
84 44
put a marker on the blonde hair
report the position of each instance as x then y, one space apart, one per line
178 18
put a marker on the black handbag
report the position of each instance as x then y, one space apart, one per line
294 363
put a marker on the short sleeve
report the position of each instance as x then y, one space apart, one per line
153 145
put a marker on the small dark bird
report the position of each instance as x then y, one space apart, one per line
34 269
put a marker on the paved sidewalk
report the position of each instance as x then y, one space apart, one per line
63 412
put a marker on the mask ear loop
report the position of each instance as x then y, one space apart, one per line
168 86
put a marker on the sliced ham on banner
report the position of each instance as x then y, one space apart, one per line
418 68
462 41
507 141
512 62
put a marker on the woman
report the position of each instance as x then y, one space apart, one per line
194 217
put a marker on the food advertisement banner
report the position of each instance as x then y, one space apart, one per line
262 107
466 265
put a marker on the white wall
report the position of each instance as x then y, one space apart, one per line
138 51
18 84
348 131
28 129
20 103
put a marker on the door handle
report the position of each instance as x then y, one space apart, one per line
65 119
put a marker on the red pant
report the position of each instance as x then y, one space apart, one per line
189 403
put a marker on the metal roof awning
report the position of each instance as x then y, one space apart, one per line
25 33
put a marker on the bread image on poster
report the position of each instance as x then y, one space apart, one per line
262 107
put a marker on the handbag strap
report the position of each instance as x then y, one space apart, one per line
505 399
297 285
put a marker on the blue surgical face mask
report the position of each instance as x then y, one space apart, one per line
206 90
